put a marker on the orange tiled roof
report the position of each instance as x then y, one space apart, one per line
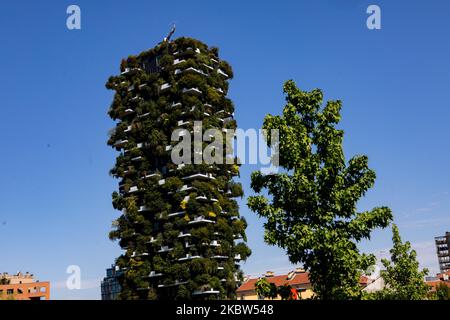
298 279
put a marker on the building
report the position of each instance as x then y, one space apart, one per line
180 227
23 287
442 248
110 286
441 278
297 279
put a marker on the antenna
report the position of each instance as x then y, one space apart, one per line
167 39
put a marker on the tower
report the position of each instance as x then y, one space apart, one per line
180 228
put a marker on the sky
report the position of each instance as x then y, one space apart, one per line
55 192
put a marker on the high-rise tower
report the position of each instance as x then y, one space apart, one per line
180 226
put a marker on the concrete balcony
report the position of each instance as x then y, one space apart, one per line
176 283
219 257
154 274
183 235
143 209
237 257
219 71
133 189
121 143
205 199
176 214
200 176
189 257
177 61
192 91
201 219
205 292
165 249
165 86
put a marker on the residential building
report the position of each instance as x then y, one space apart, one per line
441 278
297 279
110 286
442 248
180 227
23 287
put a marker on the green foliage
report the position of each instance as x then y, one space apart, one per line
311 212
442 291
266 289
404 280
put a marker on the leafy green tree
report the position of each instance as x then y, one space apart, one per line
404 280
311 210
442 291
266 289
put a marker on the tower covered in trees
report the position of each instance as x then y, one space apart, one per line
180 228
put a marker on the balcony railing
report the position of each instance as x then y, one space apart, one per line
201 219
154 274
189 257
202 292
206 176
192 90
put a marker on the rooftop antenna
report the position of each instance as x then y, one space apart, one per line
167 39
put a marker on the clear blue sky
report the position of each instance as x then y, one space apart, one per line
55 207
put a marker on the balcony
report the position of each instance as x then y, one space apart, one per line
214 60
138 158
205 176
161 182
201 219
209 67
175 105
192 91
176 283
177 61
214 243
142 85
237 257
131 88
165 86
134 255
189 257
219 257
219 71
151 175
143 209
176 214
133 189
219 90
168 148
202 292
182 123
182 235
127 112
205 199
120 143
165 249
154 274
144 115
152 240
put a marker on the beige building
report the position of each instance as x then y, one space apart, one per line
297 279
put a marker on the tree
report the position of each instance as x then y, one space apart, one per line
266 289
312 211
404 280
442 291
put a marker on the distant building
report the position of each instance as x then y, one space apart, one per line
23 287
442 248
110 286
441 278
297 279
